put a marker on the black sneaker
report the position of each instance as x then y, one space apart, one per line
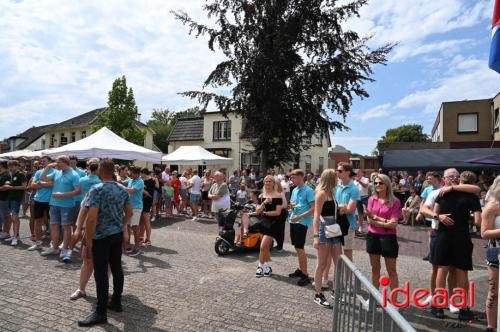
296 274
304 280
437 312
465 314
426 258
116 307
321 300
260 272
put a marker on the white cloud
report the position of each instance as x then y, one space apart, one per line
413 23
358 144
374 112
466 79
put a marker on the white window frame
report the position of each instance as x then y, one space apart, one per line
468 127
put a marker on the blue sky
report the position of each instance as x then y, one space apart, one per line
58 59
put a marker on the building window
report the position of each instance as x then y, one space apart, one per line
321 166
63 140
250 160
43 143
52 140
468 123
497 121
222 131
84 134
73 136
307 161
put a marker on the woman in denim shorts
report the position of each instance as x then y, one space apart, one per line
325 212
490 229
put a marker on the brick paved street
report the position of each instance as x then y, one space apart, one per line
180 284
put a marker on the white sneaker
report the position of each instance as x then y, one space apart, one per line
60 246
153 219
62 253
14 241
67 256
9 238
50 251
4 236
428 300
36 246
195 219
268 271
453 309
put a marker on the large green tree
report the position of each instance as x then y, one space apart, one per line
121 113
162 122
404 133
291 67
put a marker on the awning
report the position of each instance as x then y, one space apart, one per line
436 159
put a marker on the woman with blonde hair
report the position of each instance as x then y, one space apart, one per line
383 213
325 213
270 205
490 229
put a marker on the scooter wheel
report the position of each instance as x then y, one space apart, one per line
221 247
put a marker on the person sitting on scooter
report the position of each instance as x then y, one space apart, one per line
269 207
245 215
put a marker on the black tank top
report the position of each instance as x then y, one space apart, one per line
329 208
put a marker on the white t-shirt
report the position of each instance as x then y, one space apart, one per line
285 185
165 177
242 194
184 182
196 185
363 191
431 198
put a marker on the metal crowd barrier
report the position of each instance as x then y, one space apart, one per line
352 311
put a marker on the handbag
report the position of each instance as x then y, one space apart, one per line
332 230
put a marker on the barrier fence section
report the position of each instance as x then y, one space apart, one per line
353 312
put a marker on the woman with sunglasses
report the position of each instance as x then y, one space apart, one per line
383 212
270 204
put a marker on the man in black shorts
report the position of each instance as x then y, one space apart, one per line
41 205
302 210
453 245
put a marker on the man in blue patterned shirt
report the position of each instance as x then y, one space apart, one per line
108 203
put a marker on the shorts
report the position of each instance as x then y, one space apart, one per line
61 215
136 217
384 245
156 196
204 195
492 255
322 237
360 203
432 248
41 209
4 210
453 248
147 203
182 193
14 207
349 240
298 234
194 198
168 200
77 211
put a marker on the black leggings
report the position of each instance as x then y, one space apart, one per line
108 251
280 229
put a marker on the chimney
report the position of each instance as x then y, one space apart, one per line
139 117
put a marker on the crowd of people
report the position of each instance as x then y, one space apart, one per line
100 208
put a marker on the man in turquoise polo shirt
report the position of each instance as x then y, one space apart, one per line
42 198
135 188
62 203
302 210
347 195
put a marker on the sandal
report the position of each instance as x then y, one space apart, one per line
77 294
147 243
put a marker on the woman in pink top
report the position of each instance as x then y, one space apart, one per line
383 212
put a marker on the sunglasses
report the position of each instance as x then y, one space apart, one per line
378 183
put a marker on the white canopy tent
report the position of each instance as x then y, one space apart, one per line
105 144
21 153
195 155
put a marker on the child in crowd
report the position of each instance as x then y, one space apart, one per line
242 195
168 193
